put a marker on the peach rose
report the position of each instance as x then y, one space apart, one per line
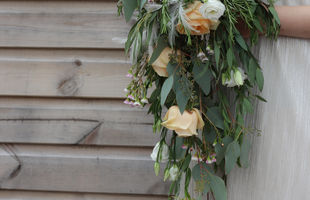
184 125
160 64
199 25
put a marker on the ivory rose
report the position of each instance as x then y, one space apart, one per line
194 19
212 9
160 64
184 125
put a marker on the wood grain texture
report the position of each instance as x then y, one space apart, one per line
279 167
61 24
63 73
24 195
73 121
81 169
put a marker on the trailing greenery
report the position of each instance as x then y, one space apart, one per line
214 72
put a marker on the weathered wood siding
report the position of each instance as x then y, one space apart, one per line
64 131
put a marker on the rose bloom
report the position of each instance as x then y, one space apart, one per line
184 125
194 18
212 9
160 64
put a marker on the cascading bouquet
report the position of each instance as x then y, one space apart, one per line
197 65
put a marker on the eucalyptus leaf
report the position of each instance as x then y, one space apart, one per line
129 8
217 53
248 105
167 86
252 70
200 171
209 136
231 156
214 114
161 45
218 187
260 98
259 79
275 14
230 57
142 2
182 90
220 150
186 162
172 69
202 76
241 42
244 154
179 151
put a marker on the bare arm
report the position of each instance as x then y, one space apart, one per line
295 21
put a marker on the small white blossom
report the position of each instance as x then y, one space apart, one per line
164 152
144 100
137 104
237 78
173 173
202 56
212 9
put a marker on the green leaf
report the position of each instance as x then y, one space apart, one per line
201 171
182 91
179 151
230 57
129 8
231 156
244 154
142 2
258 25
259 79
217 53
220 150
161 45
214 114
248 105
252 70
209 136
274 14
187 182
172 69
186 162
218 187
260 98
167 86
154 95
202 76
241 42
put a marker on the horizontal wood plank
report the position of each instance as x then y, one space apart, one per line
73 121
79 169
33 195
61 24
63 73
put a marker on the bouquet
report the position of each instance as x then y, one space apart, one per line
196 71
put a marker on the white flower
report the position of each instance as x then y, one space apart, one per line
202 56
164 153
173 173
144 100
237 78
151 6
212 9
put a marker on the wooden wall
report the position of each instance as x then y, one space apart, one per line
64 131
